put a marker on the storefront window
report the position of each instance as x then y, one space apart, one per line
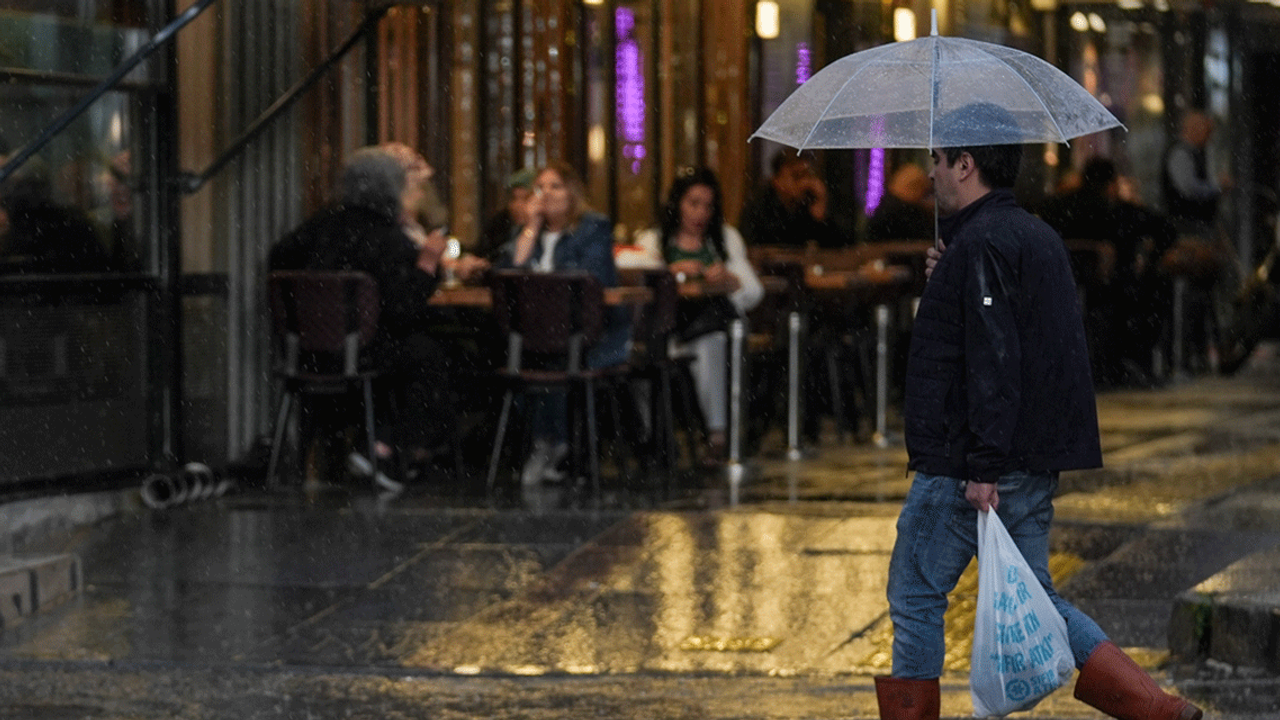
1117 57
72 206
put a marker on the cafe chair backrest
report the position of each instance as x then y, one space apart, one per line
656 320
320 314
550 313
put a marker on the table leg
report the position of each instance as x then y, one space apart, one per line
882 374
737 340
793 386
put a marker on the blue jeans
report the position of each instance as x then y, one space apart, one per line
550 411
938 536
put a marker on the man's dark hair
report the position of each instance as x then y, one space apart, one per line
997 163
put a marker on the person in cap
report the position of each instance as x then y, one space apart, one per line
507 222
999 400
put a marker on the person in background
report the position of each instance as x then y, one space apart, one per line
999 400
792 208
506 222
562 233
1127 306
365 230
906 210
114 214
1190 191
423 211
39 235
1204 255
694 241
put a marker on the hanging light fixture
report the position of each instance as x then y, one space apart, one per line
768 19
904 24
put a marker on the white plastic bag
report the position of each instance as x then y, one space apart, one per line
1020 647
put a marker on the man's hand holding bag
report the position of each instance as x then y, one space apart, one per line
1020 648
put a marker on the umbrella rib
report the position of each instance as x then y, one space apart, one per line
822 115
1034 93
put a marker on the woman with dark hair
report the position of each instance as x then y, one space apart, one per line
695 243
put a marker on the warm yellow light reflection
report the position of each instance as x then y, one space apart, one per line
904 24
596 143
768 20
1079 22
1096 23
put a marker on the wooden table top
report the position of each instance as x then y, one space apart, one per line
481 297
870 275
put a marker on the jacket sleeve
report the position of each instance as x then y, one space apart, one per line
595 250
751 291
405 288
994 353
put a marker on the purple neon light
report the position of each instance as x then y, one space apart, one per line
875 170
804 63
629 89
875 179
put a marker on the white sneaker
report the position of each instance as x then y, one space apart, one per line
359 465
542 462
551 471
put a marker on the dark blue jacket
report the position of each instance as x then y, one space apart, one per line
588 245
998 375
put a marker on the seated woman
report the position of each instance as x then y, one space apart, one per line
696 243
562 233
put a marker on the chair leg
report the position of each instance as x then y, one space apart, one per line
282 419
593 450
492 476
689 409
671 454
616 396
370 438
837 397
457 451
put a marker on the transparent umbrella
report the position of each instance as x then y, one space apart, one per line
935 92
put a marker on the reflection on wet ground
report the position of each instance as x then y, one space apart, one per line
786 583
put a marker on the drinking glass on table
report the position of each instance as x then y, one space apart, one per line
452 251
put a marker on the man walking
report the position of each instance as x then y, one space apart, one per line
999 399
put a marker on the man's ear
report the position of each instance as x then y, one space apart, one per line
965 165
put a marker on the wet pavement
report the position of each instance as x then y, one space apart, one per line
762 598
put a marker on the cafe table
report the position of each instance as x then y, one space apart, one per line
872 283
480 297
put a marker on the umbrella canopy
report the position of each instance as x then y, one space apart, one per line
935 92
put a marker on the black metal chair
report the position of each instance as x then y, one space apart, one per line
652 360
553 318
322 320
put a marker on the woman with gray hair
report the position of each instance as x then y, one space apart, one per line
363 231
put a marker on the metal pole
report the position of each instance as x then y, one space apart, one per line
793 386
737 337
882 373
1179 324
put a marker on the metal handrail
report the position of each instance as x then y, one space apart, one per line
191 182
126 67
